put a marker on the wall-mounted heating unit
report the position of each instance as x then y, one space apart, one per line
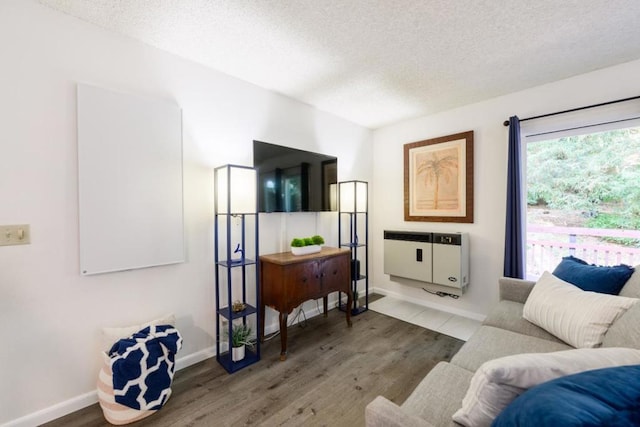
439 261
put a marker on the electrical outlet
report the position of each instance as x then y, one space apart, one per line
15 235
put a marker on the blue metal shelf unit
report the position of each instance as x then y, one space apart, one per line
236 270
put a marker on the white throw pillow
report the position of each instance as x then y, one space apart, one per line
579 318
498 382
111 335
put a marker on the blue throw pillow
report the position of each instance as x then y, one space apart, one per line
591 277
602 397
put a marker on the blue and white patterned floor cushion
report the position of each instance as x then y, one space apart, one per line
136 379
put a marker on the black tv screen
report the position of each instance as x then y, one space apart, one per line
292 180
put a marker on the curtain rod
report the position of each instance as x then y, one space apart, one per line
506 122
583 127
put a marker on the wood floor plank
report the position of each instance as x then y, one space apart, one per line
331 373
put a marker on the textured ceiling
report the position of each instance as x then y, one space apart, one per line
379 62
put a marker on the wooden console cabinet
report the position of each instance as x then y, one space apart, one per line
288 280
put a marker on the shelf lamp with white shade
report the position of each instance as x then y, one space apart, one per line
353 208
236 214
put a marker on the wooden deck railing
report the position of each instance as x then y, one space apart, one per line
546 245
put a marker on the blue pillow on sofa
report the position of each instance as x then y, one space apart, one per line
590 277
602 397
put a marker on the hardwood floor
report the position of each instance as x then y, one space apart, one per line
332 372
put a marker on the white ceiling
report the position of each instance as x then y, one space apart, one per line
379 62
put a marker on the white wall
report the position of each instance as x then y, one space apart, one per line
491 139
50 316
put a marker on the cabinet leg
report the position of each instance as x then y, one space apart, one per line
348 307
262 322
283 336
325 305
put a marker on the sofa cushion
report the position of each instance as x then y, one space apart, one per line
382 412
489 343
498 382
516 290
631 289
579 318
602 397
591 277
625 332
439 394
508 315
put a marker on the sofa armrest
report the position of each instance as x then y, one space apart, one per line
516 290
382 412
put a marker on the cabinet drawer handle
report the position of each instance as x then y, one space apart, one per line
304 280
335 272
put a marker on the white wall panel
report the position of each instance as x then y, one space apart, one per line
130 181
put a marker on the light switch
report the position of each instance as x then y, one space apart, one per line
15 235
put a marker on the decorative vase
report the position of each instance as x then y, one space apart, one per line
304 250
237 353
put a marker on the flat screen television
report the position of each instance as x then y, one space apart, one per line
292 180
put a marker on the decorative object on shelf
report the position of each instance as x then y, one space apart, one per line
353 224
241 252
236 269
307 245
438 179
240 334
238 306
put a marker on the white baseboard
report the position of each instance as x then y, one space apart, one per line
56 411
79 402
193 358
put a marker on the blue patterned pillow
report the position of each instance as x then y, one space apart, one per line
602 397
590 277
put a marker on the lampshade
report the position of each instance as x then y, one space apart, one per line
353 196
236 189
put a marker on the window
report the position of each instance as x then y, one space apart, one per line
583 198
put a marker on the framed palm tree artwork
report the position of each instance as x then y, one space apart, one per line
438 179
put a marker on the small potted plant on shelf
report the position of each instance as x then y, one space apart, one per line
307 245
239 340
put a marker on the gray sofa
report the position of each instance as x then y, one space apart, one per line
504 332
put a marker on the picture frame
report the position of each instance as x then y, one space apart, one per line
438 179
